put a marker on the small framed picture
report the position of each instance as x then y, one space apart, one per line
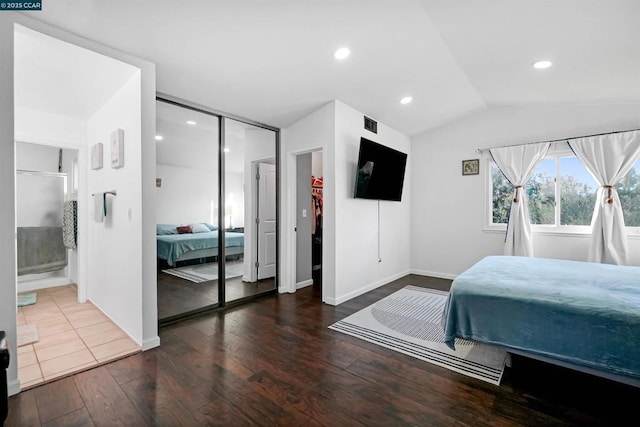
117 148
471 167
96 156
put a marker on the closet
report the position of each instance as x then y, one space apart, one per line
316 230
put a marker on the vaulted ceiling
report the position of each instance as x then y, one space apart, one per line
272 61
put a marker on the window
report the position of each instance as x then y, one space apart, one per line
567 205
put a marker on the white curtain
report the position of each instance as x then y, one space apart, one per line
608 158
517 163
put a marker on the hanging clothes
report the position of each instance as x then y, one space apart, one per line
316 204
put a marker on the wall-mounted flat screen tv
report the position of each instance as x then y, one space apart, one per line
380 173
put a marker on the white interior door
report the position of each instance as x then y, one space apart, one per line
266 220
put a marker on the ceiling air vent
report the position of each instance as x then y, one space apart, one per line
370 125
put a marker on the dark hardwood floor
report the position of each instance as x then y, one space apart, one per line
275 362
177 296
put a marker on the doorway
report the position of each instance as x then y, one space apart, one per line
309 220
77 307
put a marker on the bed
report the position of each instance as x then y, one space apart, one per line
577 314
174 246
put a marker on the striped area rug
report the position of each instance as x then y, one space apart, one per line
408 321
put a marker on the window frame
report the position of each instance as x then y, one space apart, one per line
556 152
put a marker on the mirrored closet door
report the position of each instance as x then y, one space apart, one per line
187 182
249 209
216 182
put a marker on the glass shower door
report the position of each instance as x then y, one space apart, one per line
39 207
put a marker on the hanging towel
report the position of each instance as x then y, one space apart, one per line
99 206
40 250
70 224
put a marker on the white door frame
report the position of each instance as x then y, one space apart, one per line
290 222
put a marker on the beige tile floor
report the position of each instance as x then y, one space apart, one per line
72 336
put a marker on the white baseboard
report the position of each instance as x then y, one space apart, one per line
434 274
304 284
365 289
116 323
34 285
13 387
150 343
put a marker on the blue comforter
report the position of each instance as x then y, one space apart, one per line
172 246
583 313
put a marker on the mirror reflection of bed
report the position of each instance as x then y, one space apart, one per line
188 267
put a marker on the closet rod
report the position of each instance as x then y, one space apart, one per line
480 150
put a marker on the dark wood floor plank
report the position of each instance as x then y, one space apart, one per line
133 367
219 412
156 399
78 418
57 399
23 410
453 401
105 401
238 392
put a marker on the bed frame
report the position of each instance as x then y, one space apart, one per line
213 252
576 293
635 382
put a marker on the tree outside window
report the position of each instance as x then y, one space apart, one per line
576 194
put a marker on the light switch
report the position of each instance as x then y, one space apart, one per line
304 213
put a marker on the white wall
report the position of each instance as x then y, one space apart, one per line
234 196
7 193
51 129
350 264
113 276
186 194
448 209
34 157
357 266
316 164
313 132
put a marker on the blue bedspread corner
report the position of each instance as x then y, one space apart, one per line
582 313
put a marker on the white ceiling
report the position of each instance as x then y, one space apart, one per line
272 61
60 78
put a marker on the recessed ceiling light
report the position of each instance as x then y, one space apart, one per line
159 138
191 122
406 100
541 65
342 53
226 150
